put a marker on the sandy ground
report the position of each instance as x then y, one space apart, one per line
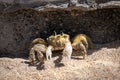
103 63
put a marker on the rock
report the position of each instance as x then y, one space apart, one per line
73 3
110 4
51 6
18 4
12 5
19 28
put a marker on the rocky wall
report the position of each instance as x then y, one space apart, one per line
19 28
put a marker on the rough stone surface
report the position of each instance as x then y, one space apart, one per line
19 28
12 5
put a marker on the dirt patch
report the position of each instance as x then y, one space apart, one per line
103 63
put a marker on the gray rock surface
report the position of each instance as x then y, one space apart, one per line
12 5
17 4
